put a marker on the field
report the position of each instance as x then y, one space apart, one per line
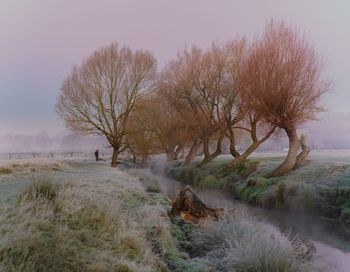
79 215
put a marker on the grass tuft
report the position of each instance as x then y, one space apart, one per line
41 188
241 243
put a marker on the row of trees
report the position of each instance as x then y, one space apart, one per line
200 99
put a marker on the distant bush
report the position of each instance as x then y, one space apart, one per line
241 243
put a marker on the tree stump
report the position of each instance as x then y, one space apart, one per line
189 205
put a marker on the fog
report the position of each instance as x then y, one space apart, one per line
331 131
43 142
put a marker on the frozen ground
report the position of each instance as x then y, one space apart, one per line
96 195
84 225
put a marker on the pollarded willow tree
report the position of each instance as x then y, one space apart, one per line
204 88
99 95
235 116
282 80
193 81
155 126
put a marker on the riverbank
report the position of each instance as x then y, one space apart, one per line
318 187
74 216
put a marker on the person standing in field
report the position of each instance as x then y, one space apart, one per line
96 154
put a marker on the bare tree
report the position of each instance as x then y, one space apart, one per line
282 80
99 95
205 86
191 83
160 123
235 116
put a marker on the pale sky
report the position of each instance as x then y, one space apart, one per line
40 41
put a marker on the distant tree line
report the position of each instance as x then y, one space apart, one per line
199 99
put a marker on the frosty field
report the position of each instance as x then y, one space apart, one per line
79 215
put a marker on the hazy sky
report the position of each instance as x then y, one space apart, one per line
40 41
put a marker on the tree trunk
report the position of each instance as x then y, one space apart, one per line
246 153
289 163
115 157
192 153
233 149
177 151
254 145
208 157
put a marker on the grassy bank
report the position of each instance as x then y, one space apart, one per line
317 187
92 219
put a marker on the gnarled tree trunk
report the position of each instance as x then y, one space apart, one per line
253 146
208 157
242 157
289 163
193 151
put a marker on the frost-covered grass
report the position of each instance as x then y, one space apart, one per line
241 243
92 224
11 168
91 217
42 188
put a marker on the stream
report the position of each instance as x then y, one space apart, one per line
331 239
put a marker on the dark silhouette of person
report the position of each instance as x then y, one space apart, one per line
96 154
134 159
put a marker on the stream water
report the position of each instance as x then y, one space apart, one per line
331 239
